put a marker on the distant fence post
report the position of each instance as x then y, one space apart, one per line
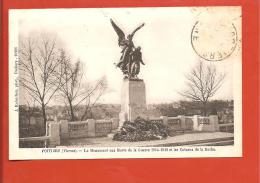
64 126
196 122
165 120
115 123
182 119
214 123
54 133
91 127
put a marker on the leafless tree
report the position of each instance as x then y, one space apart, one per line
75 92
71 89
92 97
39 63
202 83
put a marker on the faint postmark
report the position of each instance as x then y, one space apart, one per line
214 40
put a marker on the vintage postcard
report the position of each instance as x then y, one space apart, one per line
97 83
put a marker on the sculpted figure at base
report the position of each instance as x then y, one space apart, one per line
131 57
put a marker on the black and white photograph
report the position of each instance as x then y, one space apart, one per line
93 83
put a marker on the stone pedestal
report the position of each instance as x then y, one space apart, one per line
54 133
133 100
91 128
64 129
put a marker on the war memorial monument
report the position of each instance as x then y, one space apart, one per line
133 95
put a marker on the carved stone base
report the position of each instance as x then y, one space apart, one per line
133 100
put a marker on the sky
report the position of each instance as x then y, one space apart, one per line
165 42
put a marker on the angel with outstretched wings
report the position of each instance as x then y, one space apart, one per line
121 36
127 46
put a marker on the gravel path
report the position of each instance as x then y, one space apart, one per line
182 139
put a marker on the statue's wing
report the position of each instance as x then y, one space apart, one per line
132 35
120 33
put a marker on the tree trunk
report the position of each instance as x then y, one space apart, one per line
44 119
85 114
91 114
72 116
29 125
204 108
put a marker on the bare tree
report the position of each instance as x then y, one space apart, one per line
71 89
92 97
39 63
75 92
202 83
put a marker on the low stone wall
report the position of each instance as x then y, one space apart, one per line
78 129
205 123
103 127
188 123
57 131
191 123
226 127
174 124
51 139
88 128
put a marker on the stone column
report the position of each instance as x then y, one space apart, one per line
91 128
64 129
115 123
183 125
47 133
165 120
133 100
213 119
54 133
195 123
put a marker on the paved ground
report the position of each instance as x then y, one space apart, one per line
183 139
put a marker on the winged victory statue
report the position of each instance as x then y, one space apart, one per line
131 57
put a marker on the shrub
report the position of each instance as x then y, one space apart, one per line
141 130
